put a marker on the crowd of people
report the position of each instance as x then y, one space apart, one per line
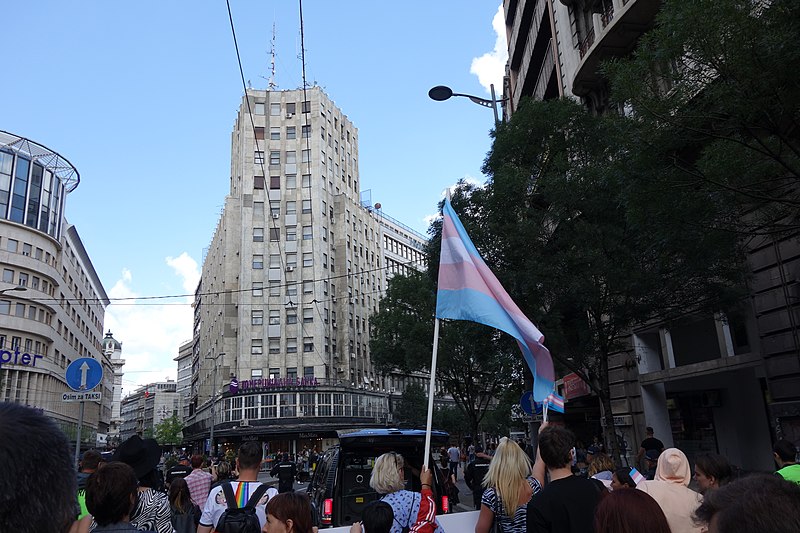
40 490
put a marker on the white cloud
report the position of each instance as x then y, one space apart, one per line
471 180
151 330
491 66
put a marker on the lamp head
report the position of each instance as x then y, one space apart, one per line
440 93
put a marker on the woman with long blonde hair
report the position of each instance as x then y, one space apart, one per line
510 483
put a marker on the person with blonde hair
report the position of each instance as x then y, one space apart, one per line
388 479
510 484
601 467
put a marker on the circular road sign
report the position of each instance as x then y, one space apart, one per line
84 374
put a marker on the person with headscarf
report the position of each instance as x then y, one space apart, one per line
670 488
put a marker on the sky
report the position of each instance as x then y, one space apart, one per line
141 98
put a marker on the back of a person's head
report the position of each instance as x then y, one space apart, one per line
111 492
785 450
250 455
509 466
629 511
294 506
385 477
649 430
716 466
555 445
38 484
600 462
753 504
377 517
91 460
223 470
624 477
179 495
197 460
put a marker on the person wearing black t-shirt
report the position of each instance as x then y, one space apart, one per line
567 503
650 443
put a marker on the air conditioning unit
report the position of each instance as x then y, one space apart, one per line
244 423
352 355
289 115
341 369
289 269
391 390
276 215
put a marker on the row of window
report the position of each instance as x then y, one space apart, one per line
30 194
21 310
293 404
275 109
403 250
274 345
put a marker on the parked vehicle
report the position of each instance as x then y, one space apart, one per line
340 488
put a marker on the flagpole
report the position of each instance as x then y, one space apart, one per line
431 390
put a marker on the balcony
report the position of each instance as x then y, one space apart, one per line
614 33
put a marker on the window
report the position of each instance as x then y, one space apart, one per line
269 408
257 317
291 289
275 288
291 108
256 347
305 131
325 233
274 182
291 233
288 405
324 260
20 310
308 344
308 371
258 131
291 132
308 287
274 157
306 156
11 245
291 317
5 307
27 249
274 373
274 208
258 182
307 106
291 260
275 110
291 181
274 348
291 207
8 275
291 157
308 315
259 108
258 261
274 234
274 317
258 288
306 205
258 157
307 232
291 345
307 183
258 210
308 259
274 260
275 134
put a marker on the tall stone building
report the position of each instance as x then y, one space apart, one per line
113 351
294 270
52 303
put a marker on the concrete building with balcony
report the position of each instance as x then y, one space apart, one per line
184 387
52 303
148 406
728 384
295 268
112 349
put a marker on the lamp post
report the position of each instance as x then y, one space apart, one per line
213 400
441 93
13 289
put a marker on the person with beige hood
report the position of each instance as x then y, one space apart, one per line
670 489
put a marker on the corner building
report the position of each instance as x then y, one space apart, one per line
292 274
52 303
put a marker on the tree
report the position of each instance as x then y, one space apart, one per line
413 406
554 222
474 362
169 431
717 104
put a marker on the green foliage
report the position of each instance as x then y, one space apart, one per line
412 409
717 105
169 431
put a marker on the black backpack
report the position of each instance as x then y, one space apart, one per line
240 519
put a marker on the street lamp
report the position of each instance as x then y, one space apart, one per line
213 399
441 93
3 291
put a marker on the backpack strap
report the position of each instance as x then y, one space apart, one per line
254 498
230 497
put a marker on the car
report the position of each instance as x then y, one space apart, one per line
339 489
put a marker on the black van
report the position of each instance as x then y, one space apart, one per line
340 487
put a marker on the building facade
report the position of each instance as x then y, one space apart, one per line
148 406
293 272
184 387
727 384
113 351
52 303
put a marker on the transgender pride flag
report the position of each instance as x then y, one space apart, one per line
469 291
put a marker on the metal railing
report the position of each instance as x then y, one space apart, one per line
587 42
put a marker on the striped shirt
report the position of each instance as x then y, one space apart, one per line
505 523
199 483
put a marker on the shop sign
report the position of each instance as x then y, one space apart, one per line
622 420
274 383
16 358
574 387
307 436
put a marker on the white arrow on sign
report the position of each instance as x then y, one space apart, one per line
84 371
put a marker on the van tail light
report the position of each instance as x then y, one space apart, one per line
327 511
445 504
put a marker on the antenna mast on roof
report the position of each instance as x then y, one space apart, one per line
272 85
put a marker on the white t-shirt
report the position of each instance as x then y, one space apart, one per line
216 503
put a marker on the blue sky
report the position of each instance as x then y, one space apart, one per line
141 98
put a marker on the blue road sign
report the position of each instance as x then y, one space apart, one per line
84 374
528 405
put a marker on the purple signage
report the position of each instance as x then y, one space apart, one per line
273 383
234 386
